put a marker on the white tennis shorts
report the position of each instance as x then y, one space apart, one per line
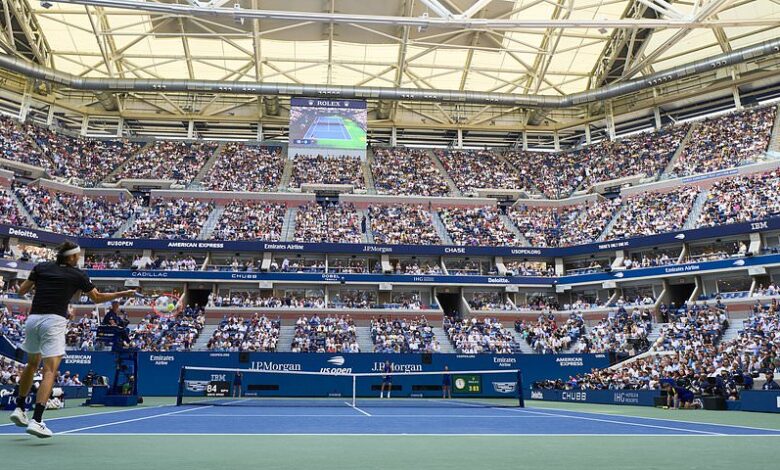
45 335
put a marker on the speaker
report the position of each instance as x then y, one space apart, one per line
243 357
426 358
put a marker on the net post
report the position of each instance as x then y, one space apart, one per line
354 389
180 393
521 400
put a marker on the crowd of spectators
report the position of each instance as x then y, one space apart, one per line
480 226
81 334
407 172
742 199
242 167
89 160
546 336
413 267
170 219
12 324
489 301
352 298
17 143
331 334
250 220
471 170
168 160
473 336
259 300
651 213
328 223
526 268
175 333
623 332
255 334
73 214
9 212
726 142
558 175
690 353
327 170
770 290
106 261
403 336
571 225
402 224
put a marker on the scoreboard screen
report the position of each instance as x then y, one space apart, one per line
218 389
467 384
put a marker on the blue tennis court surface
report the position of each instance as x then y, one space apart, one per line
379 418
327 127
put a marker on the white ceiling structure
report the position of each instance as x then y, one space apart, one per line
526 47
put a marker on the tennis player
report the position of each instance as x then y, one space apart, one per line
680 397
55 283
237 385
387 379
446 384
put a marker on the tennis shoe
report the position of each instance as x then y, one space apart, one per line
39 429
19 418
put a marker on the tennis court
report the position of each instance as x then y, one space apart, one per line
327 127
444 434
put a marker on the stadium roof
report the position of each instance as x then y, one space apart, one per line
90 40
548 48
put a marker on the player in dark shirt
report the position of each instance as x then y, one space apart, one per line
387 379
446 384
237 385
55 283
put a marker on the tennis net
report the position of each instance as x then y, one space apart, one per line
252 387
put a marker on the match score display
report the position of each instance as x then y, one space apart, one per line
218 389
467 384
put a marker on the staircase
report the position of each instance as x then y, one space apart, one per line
286 175
210 223
444 341
203 339
286 334
368 176
440 228
110 177
22 209
440 166
364 338
670 167
611 224
124 227
209 165
525 348
774 140
288 227
698 206
513 228
732 332
653 336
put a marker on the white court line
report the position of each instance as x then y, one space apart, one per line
97 413
357 409
404 435
127 421
612 421
356 416
752 428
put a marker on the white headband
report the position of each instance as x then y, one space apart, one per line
72 251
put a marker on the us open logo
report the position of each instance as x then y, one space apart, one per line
336 361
